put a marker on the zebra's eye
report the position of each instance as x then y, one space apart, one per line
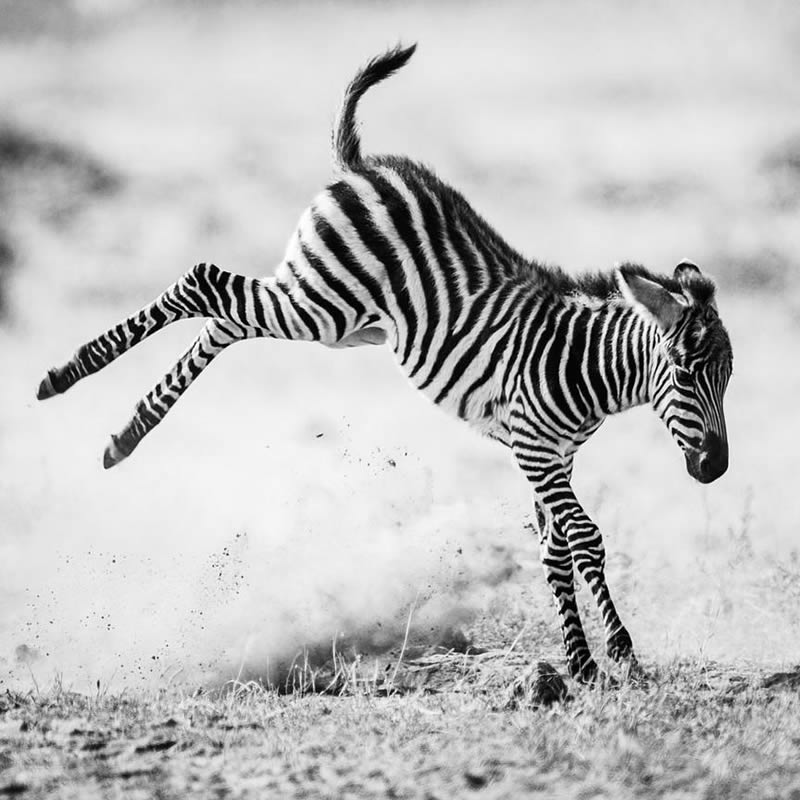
682 375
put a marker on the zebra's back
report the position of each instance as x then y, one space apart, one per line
393 247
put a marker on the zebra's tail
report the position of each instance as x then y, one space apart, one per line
346 141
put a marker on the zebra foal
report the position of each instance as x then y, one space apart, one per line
526 354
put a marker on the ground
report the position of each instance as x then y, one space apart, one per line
300 501
695 731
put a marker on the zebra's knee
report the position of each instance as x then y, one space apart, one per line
558 570
590 562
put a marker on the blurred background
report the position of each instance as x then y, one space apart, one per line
298 495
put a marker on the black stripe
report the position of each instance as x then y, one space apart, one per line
432 219
362 220
461 237
171 305
488 373
280 319
536 350
137 327
335 284
219 282
471 353
573 375
214 342
531 317
258 306
637 333
402 219
606 358
201 299
159 321
339 249
238 288
454 337
552 367
335 313
304 316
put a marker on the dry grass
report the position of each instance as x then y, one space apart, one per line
696 731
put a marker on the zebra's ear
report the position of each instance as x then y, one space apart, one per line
650 299
686 270
697 288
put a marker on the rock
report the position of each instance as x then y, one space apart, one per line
538 688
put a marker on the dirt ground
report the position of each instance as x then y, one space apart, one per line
695 731
299 500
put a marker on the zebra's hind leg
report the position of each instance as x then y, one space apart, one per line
153 407
203 291
286 306
180 301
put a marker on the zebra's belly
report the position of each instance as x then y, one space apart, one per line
480 406
493 427
463 375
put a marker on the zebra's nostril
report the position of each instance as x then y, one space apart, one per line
708 464
713 463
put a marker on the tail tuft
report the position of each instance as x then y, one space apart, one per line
346 141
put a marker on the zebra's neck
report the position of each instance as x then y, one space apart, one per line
619 349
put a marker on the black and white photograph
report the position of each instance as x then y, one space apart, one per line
492 492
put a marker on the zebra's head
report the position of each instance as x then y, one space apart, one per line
691 361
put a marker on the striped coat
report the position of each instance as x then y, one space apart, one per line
526 354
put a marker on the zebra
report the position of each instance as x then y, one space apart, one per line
526 353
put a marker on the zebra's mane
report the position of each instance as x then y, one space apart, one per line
594 285
602 284
454 204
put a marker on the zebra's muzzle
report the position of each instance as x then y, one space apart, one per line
710 460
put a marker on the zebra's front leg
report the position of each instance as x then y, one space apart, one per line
618 641
556 559
153 407
572 538
588 554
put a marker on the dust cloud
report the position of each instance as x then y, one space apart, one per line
186 566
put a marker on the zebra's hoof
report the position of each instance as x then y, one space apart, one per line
606 681
601 680
46 388
633 674
593 677
584 669
113 453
